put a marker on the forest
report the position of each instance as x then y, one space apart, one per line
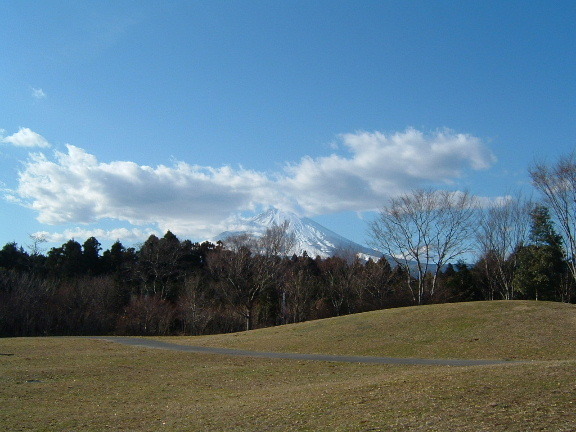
166 286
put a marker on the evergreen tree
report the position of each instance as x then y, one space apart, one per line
158 265
541 264
113 259
542 232
13 257
91 256
66 261
460 284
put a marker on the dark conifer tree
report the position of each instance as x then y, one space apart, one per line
541 263
13 257
91 256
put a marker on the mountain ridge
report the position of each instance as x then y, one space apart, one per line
310 236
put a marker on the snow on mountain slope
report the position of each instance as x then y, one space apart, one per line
309 235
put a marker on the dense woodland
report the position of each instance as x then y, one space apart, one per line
172 286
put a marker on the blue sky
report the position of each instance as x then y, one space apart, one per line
121 119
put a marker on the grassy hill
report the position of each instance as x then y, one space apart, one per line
76 384
477 330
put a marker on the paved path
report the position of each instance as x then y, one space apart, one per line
151 343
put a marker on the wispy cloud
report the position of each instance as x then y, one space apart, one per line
26 138
38 93
74 187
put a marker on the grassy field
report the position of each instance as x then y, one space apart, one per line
525 330
73 384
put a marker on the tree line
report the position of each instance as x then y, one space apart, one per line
522 249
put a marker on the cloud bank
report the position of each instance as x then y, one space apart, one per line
73 187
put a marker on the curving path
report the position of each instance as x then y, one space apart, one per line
151 343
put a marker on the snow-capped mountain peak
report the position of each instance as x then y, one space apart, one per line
273 217
309 236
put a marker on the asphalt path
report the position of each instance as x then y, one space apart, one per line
151 343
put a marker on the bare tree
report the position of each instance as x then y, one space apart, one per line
557 183
277 240
422 231
147 315
503 229
377 285
36 241
195 305
243 274
232 267
250 265
338 283
348 254
298 290
241 242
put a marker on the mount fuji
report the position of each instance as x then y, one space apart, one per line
310 237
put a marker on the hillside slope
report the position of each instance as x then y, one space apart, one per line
520 330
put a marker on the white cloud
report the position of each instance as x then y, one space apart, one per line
26 138
194 201
133 235
381 166
76 188
38 93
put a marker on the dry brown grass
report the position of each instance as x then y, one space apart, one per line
527 330
74 384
